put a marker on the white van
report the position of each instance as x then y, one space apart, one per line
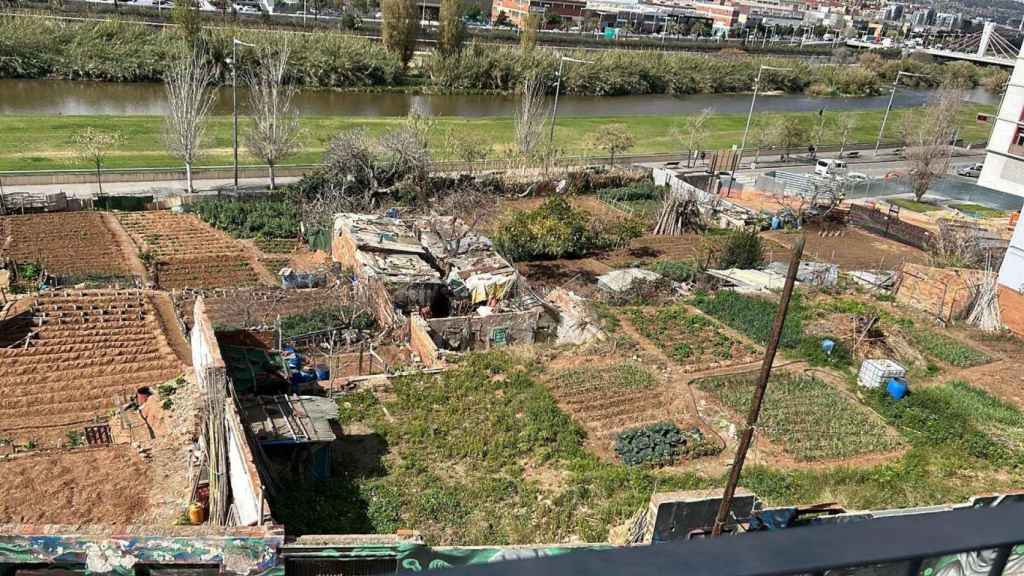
828 167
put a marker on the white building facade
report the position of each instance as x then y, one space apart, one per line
1004 163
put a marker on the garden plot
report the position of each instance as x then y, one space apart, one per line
187 253
606 399
691 340
86 351
810 419
77 244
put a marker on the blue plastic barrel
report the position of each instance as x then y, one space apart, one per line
897 388
322 372
827 346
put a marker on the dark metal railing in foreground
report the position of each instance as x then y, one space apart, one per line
965 542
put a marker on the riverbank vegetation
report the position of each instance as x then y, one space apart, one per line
42 142
127 51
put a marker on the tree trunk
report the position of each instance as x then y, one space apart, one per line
99 178
188 176
270 166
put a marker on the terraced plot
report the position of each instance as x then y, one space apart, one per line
74 356
189 253
610 398
691 340
65 243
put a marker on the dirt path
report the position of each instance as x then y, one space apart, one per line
170 327
255 257
127 247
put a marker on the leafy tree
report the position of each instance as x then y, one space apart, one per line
185 15
612 139
93 146
528 37
399 27
790 132
502 21
453 29
475 13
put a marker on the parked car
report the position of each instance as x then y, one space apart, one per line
970 170
857 177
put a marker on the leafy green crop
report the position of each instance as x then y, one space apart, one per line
809 417
947 349
754 316
686 337
262 218
659 443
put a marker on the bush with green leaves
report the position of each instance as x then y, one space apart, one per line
263 218
743 250
339 316
632 193
674 270
661 443
558 230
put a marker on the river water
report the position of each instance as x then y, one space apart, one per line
69 97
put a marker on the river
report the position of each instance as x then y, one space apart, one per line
69 97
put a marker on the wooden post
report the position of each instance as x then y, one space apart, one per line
762 386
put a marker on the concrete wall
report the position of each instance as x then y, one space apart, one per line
240 551
247 490
474 332
422 343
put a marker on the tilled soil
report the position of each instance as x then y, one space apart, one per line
107 485
66 243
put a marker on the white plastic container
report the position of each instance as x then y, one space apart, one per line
875 373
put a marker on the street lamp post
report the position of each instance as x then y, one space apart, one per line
558 88
235 43
753 100
892 96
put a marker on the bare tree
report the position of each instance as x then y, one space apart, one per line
693 132
93 146
927 136
532 115
845 125
461 212
467 146
763 135
274 132
399 26
188 79
453 29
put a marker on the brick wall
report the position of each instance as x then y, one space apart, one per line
1011 308
944 293
880 223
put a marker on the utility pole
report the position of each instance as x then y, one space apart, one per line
235 43
892 96
759 390
558 88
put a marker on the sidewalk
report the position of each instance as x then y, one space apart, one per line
159 188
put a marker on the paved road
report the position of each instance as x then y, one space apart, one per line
160 188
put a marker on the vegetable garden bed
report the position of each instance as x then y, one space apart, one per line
810 419
691 340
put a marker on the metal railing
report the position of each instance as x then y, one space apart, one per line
975 541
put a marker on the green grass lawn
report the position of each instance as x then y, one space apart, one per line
46 142
979 211
914 205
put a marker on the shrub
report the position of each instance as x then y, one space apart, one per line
659 444
557 230
325 318
262 218
674 270
632 193
743 250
